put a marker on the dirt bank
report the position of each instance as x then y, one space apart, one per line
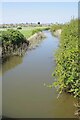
57 33
35 39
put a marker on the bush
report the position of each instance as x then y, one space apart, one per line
12 37
67 70
19 27
36 31
55 27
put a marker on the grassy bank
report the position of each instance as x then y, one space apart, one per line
15 41
67 72
67 59
56 27
28 31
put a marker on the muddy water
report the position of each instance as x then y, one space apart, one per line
24 93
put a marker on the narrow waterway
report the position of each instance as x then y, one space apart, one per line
23 90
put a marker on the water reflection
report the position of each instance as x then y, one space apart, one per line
24 94
11 63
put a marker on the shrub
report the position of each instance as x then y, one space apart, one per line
67 70
19 27
12 37
55 27
36 31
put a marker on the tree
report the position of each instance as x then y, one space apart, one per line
38 23
19 27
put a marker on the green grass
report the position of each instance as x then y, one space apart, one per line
28 31
67 59
0 35
55 27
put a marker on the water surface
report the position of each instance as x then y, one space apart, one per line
24 94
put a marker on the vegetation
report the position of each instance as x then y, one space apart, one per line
0 35
67 59
12 37
16 37
13 43
55 27
30 31
36 31
19 27
38 23
27 32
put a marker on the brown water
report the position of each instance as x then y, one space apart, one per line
24 93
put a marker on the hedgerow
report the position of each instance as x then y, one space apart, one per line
67 72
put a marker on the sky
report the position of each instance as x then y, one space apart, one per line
32 12
39 0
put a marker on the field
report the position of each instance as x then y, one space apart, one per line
27 31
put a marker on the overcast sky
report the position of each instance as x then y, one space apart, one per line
45 12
